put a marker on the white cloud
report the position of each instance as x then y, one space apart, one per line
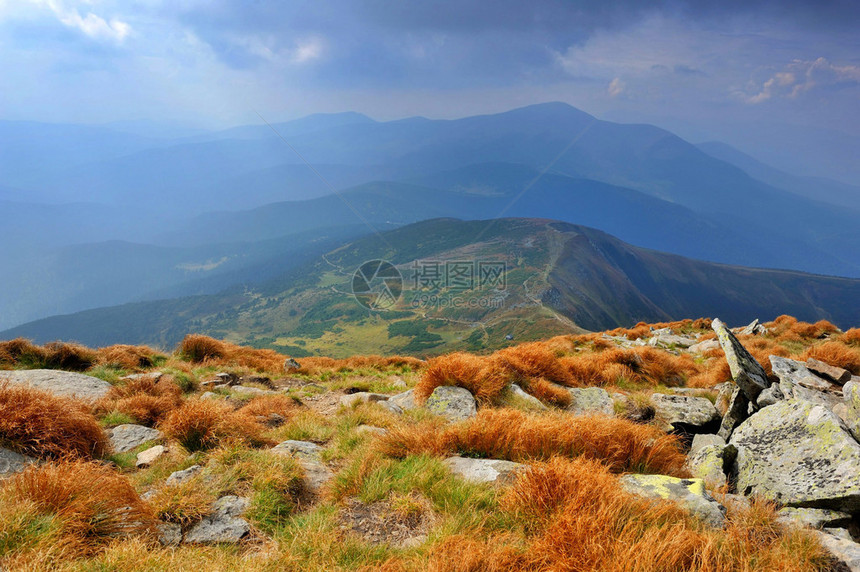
308 50
801 76
616 87
92 25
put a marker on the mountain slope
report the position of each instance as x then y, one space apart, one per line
558 277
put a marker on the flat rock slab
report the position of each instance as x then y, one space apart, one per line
61 383
703 347
12 462
746 371
495 471
689 493
798 382
590 400
517 396
798 454
169 533
127 437
685 410
708 463
833 373
223 525
453 403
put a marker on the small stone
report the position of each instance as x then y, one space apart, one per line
210 395
370 430
179 477
769 396
496 471
127 437
146 458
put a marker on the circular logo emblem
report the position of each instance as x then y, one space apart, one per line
377 285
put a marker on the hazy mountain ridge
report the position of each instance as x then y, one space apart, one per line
592 280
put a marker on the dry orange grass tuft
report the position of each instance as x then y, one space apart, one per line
93 503
209 351
54 355
126 356
461 553
40 424
641 365
509 434
475 373
265 405
582 520
547 392
851 337
531 361
203 424
836 354
146 400
321 364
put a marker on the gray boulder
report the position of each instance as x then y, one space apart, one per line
737 411
223 525
753 329
798 454
689 493
709 464
748 374
797 382
129 436
685 412
843 549
61 383
851 393
495 471
813 517
453 403
392 407
12 462
590 400
705 439
404 401
769 396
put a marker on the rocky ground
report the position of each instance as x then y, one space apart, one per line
684 446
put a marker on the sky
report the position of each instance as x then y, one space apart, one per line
779 79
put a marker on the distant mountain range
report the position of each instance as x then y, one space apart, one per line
558 278
96 216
